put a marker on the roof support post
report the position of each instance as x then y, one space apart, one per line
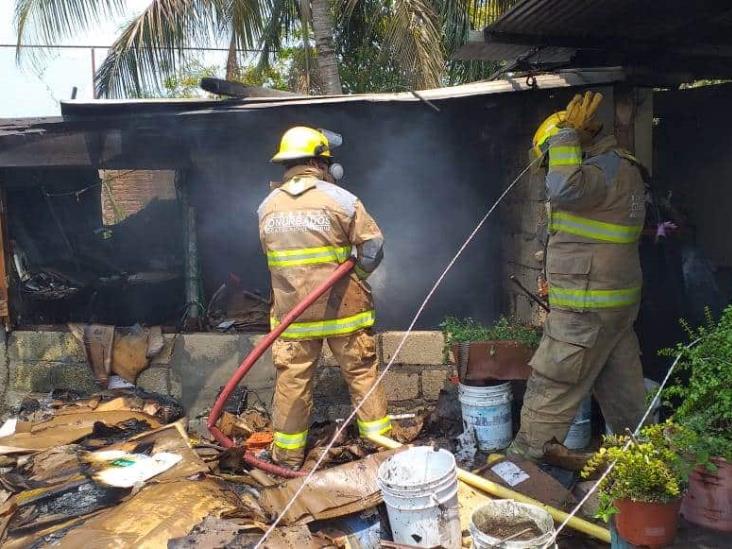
634 121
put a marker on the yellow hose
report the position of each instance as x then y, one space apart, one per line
581 525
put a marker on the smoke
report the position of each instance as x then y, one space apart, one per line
425 176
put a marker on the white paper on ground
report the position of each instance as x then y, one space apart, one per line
131 469
8 427
511 473
108 455
467 447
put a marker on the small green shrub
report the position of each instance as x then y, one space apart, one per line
467 330
702 389
654 467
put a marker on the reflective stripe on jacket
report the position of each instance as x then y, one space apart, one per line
597 211
307 227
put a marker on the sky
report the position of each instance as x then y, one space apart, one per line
35 89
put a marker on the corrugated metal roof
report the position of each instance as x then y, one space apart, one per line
678 21
675 34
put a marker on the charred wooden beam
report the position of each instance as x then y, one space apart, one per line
236 89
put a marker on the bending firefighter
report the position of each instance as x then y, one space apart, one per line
597 209
308 226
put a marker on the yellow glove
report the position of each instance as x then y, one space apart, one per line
581 111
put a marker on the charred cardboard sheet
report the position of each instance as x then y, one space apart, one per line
157 513
331 493
169 438
65 429
527 478
59 489
214 533
122 351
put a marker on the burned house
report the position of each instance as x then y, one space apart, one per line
143 212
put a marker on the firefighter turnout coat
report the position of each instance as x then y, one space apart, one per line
308 226
597 212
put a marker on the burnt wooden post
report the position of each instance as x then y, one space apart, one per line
4 255
194 309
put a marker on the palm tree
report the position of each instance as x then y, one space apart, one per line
415 35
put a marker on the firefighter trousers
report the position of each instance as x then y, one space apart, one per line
295 362
581 353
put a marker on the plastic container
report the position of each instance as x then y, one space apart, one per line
359 530
487 411
708 501
419 486
647 524
504 518
464 359
580 432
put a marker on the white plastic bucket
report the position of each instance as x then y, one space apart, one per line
419 486
487 412
507 513
655 415
580 432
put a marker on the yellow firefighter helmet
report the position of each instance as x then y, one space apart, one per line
302 142
547 129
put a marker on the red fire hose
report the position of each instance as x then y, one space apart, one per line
252 358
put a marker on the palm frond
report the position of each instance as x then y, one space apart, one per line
48 21
455 21
414 37
282 22
459 17
247 21
154 45
484 12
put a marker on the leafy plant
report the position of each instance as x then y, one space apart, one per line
376 44
653 468
467 330
702 389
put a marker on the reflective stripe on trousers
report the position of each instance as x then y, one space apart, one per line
595 230
327 328
593 299
308 256
292 441
567 156
376 427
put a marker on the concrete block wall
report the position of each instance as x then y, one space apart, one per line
413 382
41 361
525 219
193 367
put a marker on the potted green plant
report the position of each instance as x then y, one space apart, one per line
500 351
702 397
643 490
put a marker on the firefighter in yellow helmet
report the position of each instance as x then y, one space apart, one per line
596 198
308 225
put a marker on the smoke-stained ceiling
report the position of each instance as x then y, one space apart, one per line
682 39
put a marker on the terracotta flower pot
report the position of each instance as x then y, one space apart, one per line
648 524
497 360
708 502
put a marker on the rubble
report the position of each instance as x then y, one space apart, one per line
120 469
233 309
332 492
